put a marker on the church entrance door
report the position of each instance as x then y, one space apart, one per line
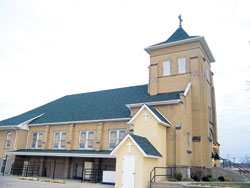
128 171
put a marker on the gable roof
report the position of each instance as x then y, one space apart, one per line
100 105
159 117
142 143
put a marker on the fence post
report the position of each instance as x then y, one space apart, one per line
154 173
82 171
54 169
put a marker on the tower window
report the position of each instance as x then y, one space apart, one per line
208 76
166 68
210 114
181 65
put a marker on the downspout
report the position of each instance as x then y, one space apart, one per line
26 144
14 128
15 139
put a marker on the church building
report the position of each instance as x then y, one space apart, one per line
122 135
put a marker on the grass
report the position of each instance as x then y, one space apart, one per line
233 185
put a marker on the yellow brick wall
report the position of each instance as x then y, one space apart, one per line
101 132
193 113
3 149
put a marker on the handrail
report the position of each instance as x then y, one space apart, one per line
241 169
153 174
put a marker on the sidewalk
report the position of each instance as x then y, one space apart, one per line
8 181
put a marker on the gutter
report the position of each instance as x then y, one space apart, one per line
77 122
158 103
59 154
195 39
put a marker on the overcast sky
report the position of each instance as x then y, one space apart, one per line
49 49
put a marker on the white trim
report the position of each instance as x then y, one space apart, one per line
140 149
157 103
158 120
9 127
75 122
187 89
60 154
195 39
15 140
26 144
24 125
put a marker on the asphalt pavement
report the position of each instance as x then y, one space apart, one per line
9 181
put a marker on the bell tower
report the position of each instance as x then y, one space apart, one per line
180 61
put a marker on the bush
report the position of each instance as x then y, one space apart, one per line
188 180
221 178
205 178
172 179
210 176
195 177
178 176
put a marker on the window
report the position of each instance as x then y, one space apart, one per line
59 140
86 140
115 136
166 68
181 65
210 114
36 141
8 139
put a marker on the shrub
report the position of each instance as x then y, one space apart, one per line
221 178
172 179
195 177
205 178
210 176
188 180
178 176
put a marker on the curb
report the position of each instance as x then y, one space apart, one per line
28 178
53 181
42 180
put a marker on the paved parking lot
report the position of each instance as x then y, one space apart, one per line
9 181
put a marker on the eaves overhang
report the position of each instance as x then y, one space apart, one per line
78 122
51 154
180 42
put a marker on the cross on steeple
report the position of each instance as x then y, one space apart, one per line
180 20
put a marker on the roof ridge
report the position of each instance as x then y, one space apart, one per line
104 90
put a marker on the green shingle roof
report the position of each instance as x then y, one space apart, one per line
63 151
179 34
100 105
145 145
162 118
